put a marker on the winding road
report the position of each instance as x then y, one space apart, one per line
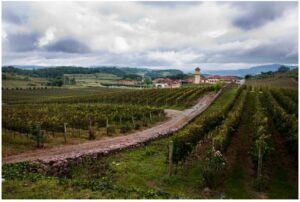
176 120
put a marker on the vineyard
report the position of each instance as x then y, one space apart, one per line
173 97
52 117
245 145
56 116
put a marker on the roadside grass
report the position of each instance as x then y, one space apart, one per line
136 173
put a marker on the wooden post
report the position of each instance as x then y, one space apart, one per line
107 133
170 157
150 116
259 165
90 126
65 132
133 121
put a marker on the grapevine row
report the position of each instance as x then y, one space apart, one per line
185 96
285 102
261 136
221 135
286 124
53 116
185 140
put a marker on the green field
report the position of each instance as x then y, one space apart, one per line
39 95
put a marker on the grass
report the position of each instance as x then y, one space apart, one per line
280 186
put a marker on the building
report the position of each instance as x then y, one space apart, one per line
166 83
215 78
187 81
197 76
229 79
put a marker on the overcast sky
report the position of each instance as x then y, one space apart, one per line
221 35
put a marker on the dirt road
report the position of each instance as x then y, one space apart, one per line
177 120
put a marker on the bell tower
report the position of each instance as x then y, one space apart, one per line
197 77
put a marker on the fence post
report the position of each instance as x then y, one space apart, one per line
65 132
170 157
259 166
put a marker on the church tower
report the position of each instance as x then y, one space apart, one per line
197 77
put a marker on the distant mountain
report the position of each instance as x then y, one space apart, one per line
53 72
252 70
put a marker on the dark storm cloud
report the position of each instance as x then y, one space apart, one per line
68 46
14 12
19 42
275 52
256 14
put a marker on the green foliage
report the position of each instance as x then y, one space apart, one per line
182 97
185 140
261 136
23 170
285 102
52 116
213 168
217 86
286 124
221 135
38 134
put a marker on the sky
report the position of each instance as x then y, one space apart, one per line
158 35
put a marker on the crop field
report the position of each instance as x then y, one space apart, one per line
88 80
39 95
167 98
244 146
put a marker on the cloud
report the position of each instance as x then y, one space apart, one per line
68 46
256 14
153 34
48 37
20 42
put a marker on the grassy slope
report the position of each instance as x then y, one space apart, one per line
139 173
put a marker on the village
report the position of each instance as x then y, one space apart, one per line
177 83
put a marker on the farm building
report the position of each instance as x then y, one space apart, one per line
166 83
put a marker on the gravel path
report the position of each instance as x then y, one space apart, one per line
176 120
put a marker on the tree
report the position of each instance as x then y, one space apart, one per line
283 69
248 76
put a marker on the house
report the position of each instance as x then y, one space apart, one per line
187 81
166 83
229 79
213 79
